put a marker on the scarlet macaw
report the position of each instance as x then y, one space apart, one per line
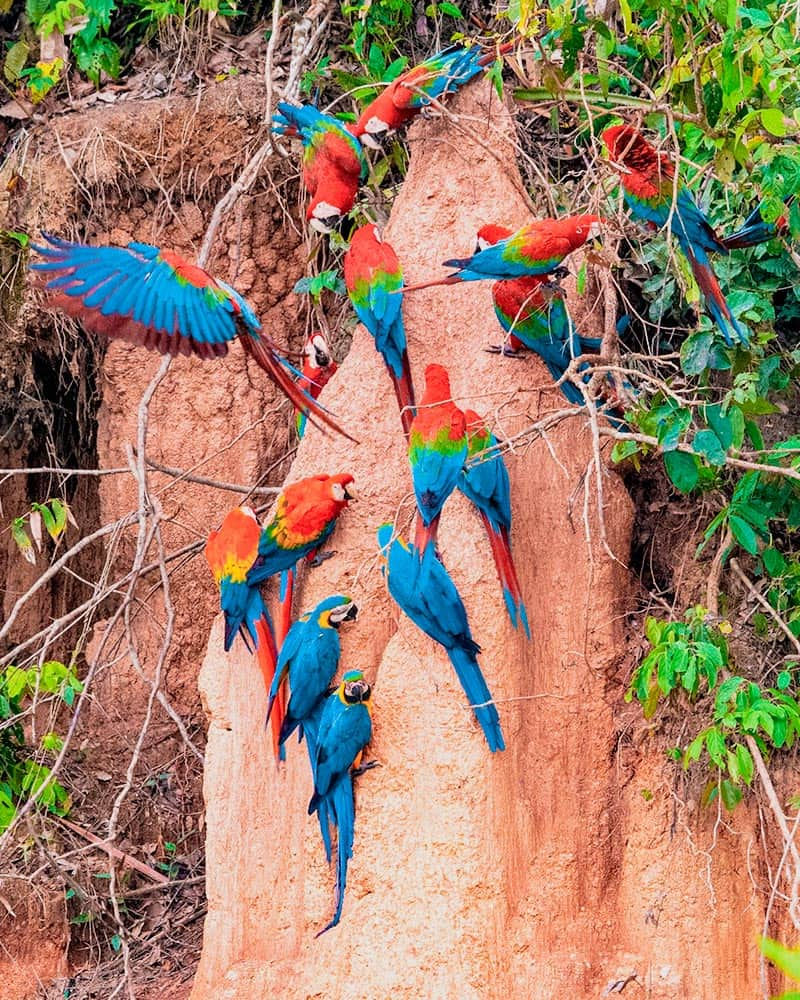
157 299
485 482
230 552
424 592
344 730
304 519
536 249
371 273
652 194
437 450
318 369
333 162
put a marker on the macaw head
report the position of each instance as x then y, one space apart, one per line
341 487
317 351
489 235
618 140
354 690
437 384
334 610
375 134
324 217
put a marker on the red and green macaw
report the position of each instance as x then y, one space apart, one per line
485 482
424 592
344 730
157 299
318 369
304 518
538 248
333 162
653 195
437 450
533 314
231 552
413 91
372 273
309 658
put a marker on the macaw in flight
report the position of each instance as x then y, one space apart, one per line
437 450
414 90
318 369
231 551
424 591
344 730
333 162
157 299
538 248
654 195
485 482
371 273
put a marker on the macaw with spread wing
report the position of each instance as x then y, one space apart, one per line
538 248
437 450
372 273
424 592
333 162
485 482
654 195
157 299
230 552
344 730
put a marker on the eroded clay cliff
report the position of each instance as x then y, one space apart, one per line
538 872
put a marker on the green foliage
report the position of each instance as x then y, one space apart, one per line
692 658
786 959
26 530
23 772
315 284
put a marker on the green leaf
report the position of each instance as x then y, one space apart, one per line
15 60
787 959
696 352
21 539
745 762
731 795
744 534
450 9
784 679
715 745
708 444
773 560
773 121
116 942
682 469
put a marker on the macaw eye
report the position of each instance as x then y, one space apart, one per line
338 491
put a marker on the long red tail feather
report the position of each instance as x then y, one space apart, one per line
265 358
425 534
451 279
404 391
267 657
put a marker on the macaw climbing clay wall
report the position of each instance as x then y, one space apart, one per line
539 872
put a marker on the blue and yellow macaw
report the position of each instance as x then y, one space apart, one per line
424 592
344 730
